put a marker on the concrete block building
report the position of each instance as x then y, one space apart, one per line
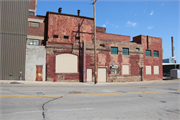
35 65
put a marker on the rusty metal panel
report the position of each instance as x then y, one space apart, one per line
13 34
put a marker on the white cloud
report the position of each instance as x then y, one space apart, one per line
110 24
104 25
150 27
144 11
152 12
128 24
162 4
107 21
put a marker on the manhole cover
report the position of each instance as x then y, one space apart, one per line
175 92
143 87
163 101
122 91
15 83
172 89
74 92
40 93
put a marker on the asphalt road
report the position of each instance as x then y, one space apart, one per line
86 101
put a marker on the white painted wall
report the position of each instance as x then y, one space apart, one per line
35 55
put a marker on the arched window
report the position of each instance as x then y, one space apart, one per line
66 63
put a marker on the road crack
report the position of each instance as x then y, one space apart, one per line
43 106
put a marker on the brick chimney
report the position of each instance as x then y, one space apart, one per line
59 10
78 12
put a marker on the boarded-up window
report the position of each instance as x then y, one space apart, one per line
156 70
66 63
148 70
34 24
125 69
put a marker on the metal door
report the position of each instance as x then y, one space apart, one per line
89 75
101 74
39 72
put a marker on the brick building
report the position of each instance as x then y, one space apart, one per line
35 34
35 65
69 44
118 58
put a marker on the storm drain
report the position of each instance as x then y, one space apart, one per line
74 92
15 83
163 101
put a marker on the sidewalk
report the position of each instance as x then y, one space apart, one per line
80 83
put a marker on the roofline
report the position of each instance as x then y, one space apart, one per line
146 35
171 63
115 34
40 16
69 15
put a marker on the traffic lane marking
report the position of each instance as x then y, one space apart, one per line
40 111
69 95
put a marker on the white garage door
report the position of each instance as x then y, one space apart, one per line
101 74
89 75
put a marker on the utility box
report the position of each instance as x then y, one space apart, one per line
175 73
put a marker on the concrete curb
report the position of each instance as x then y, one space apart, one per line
80 83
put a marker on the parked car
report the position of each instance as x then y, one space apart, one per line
166 74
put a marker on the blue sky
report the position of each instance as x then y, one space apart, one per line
128 17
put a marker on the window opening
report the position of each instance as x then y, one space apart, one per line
114 50
125 51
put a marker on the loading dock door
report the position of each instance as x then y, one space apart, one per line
101 74
89 75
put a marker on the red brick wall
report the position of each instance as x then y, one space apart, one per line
32 4
36 31
51 61
115 37
100 29
154 44
106 59
137 39
69 25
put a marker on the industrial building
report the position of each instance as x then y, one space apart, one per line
61 47
35 52
70 52
13 33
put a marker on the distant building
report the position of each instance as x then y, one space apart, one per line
168 60
169 64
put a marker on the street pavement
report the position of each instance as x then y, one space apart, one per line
152 100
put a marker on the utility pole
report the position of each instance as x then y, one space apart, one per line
172 43
95 62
